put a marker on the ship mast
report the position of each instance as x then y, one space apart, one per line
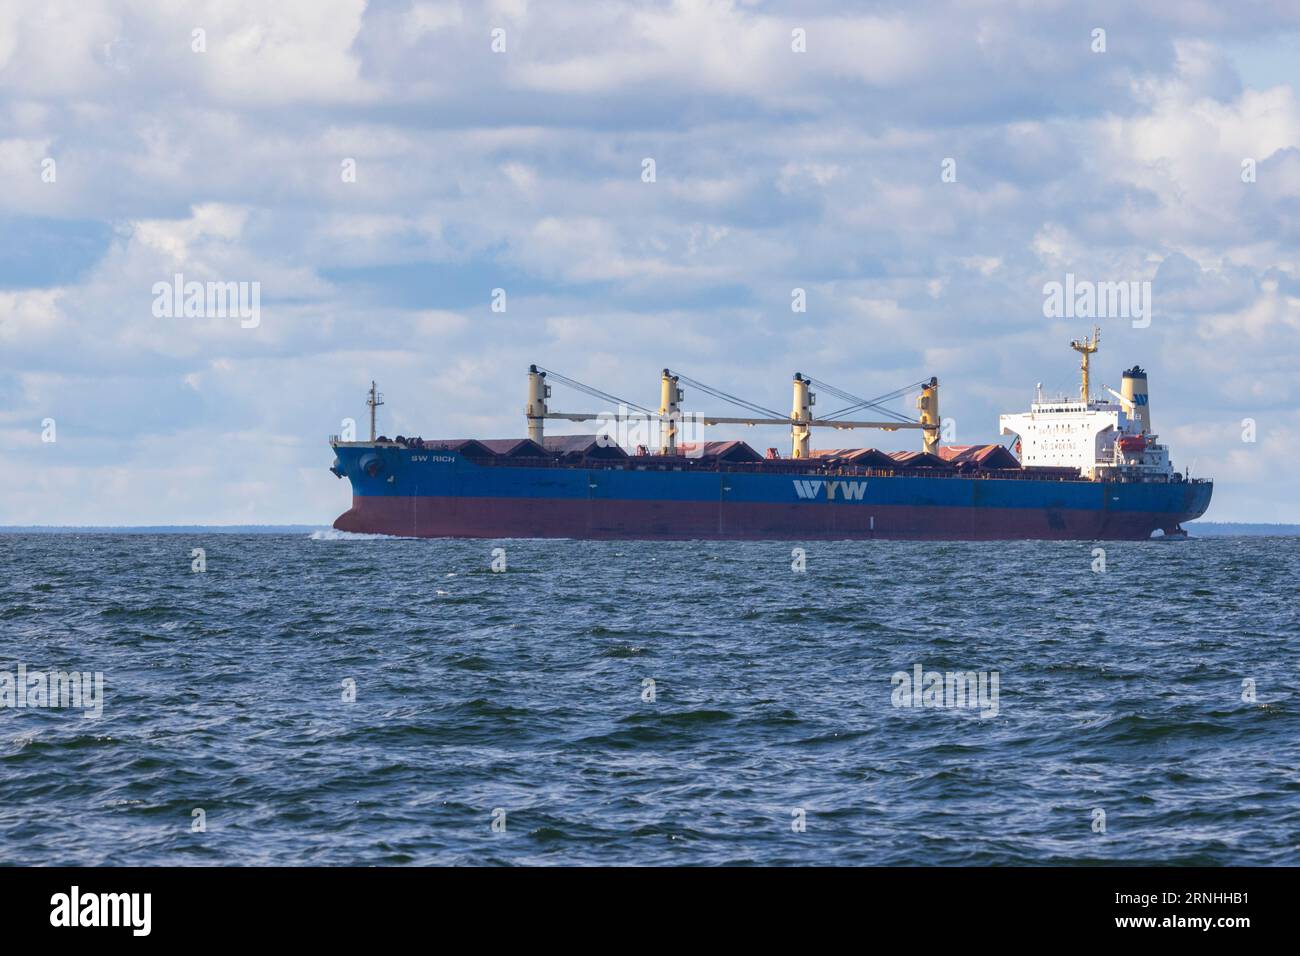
374 401
1086 347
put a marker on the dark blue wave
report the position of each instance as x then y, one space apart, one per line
527 692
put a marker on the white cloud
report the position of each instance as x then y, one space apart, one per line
476 170
31 316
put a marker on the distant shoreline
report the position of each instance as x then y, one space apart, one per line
1211 529
1206 529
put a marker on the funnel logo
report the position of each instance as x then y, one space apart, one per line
835 490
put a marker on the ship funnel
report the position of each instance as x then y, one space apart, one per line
1134 393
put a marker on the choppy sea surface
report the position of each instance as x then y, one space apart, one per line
1147 713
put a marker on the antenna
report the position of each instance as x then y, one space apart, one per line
1086 347
374 401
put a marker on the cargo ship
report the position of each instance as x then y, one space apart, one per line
1078 468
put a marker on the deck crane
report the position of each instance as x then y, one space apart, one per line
800 421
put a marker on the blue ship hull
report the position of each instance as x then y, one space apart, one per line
433 492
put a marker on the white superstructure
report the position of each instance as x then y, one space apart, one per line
1103 439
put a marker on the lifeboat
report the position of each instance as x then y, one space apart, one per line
1133 444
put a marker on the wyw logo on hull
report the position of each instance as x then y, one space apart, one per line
835 490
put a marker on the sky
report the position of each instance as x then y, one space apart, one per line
920 170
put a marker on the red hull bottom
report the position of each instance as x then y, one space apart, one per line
432 517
